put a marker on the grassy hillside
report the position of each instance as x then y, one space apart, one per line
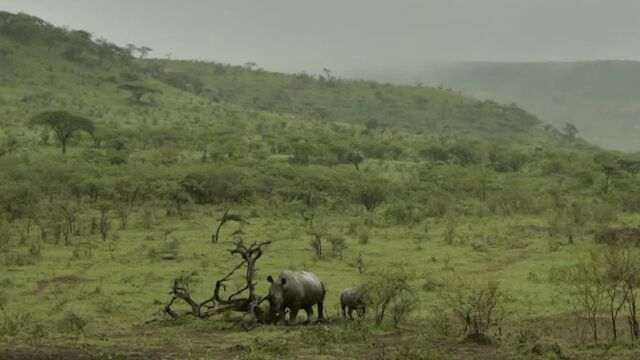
599 97
360 102
454 206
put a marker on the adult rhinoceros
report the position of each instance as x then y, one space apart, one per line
294 291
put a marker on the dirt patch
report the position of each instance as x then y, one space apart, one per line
618 236
406 345
111 353
82 354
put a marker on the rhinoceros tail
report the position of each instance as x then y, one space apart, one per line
321 308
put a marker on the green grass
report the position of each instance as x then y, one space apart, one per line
117 291
233 141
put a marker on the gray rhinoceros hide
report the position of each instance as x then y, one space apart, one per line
294 291
353 299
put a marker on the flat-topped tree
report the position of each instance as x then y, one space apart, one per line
5 16
138 91
143 51
63 124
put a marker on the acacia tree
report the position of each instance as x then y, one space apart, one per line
131 49
63 124
104 49
137 91
632 166
143 51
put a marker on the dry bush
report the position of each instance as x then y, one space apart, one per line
478 306
385 287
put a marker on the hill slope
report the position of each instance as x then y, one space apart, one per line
599 97
361 102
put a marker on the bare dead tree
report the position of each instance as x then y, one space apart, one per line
617 264
226 217
216 304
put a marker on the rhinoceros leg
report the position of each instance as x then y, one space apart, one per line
294 313
320 310
361 312
309 311
350 312
344 311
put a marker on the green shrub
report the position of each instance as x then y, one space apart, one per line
338 245
273 348
214 186
402 214
363 237
73 322
402 307
13 324
105 305
384 287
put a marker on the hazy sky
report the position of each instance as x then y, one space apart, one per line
296 35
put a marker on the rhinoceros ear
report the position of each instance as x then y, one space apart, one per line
284 281
269 279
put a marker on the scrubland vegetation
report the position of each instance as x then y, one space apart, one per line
478 230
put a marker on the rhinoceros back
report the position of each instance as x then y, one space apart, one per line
352 297
304 287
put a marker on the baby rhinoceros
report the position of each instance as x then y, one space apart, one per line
353 299
294 291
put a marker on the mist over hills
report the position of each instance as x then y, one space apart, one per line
599 97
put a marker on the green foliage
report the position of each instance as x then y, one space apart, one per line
137 91
389 290
13 324
338 246
73 322
274 348
403 214
314 97
63 124
363 237
214 186
402 307
371 194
